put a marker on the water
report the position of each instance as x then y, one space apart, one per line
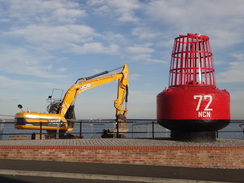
138 128
233 130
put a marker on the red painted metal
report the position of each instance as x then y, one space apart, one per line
192 102
191 62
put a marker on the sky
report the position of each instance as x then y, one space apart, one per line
46 44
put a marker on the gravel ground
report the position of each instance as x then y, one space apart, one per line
123 142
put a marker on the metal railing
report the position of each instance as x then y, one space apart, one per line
138 128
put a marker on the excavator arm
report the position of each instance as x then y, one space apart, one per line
83 84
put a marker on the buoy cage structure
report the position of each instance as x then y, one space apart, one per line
192 107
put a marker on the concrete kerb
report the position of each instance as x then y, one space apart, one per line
98 177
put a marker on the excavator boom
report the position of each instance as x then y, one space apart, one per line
94 81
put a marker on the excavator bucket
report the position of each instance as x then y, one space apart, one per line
121 128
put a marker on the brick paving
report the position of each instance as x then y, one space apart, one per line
123 142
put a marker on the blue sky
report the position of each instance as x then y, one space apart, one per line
48 44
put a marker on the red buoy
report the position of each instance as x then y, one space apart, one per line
192 107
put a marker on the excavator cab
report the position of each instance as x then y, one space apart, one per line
54 100
56 96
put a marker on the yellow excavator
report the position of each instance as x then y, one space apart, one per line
61 116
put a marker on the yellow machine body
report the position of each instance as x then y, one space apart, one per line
34 120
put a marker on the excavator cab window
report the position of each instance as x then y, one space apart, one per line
56 96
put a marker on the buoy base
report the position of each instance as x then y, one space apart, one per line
208 136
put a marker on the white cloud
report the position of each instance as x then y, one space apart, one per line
123 10
221 21
234 73
95 47
147 58
145 33
61 69
53 37
22 61
68 38
23 85
113 37
140 49
143 53
44 11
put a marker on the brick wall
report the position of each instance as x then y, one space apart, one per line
211 157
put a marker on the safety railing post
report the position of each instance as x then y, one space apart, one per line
80 128
40 130
57 132
117 134
153 129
